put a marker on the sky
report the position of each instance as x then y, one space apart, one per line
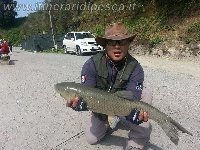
24 7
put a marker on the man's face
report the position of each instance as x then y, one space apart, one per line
117 49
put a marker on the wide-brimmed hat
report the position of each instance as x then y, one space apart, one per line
116 31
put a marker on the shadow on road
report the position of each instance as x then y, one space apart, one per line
121 141
110 139
12 62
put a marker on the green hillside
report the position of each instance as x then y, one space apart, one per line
154 21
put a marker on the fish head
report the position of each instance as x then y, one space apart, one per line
66 90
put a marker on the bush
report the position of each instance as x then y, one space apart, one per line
193 33
148 28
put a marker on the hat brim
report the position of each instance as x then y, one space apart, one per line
102 40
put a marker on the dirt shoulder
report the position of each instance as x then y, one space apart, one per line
188 66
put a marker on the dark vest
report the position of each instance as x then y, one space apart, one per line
122 76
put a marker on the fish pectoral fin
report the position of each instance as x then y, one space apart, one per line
113 121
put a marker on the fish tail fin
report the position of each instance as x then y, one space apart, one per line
171 131
180 127
171 128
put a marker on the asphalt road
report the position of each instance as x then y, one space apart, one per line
34 117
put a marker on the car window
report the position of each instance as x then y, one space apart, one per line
72 35
83 35
88 35
67 36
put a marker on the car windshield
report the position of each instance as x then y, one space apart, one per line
83 35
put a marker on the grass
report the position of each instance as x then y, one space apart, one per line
58 51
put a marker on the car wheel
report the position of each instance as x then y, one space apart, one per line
78 51
65 49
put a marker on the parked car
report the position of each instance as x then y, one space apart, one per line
80 43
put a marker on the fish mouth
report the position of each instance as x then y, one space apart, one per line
56 87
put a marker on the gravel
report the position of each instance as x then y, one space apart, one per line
33 116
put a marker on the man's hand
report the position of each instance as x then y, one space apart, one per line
76 104
143 116
72 102
137 117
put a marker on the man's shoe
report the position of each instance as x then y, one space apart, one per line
132 148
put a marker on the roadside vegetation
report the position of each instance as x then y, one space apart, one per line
58 51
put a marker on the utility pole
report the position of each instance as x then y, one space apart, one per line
51 25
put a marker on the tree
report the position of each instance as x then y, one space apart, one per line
7 13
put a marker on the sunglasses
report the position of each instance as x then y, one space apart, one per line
119 42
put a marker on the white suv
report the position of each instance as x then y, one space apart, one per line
80 42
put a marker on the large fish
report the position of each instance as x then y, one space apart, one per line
110 104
